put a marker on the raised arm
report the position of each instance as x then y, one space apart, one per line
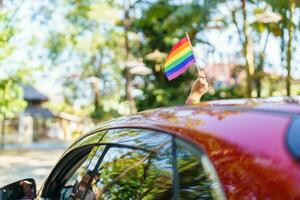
199 88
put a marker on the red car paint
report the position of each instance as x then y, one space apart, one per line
246 144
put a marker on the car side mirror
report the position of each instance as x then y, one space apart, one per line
23 189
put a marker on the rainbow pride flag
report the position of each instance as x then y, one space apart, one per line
180 59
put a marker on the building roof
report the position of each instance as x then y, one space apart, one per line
39 112
32 94
68 117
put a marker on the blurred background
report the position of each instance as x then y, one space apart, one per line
66 65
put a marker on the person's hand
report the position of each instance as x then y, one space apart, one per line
199 88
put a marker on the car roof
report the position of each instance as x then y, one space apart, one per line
237 135
255 125
283 107
206 116
274 104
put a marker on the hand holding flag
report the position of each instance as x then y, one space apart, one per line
179 60
199 88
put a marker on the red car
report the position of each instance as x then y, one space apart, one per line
219 150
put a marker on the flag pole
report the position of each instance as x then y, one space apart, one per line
188 37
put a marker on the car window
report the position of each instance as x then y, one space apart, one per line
144 164
127 173
83 167
69 188
142 138
139 146
92 138
71 166
197 178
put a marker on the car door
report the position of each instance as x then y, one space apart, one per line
143 164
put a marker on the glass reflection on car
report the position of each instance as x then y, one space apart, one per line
143 138
144 164
196 175
128 173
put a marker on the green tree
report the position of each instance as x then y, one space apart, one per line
291 31
11 101
247 49
162 24
255 60
287 11
89 37
265 22
245 38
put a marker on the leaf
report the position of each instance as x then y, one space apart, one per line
259 27
275 29
258 11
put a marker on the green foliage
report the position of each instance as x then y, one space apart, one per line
162 24
56 43
156 94
233 92
6 34
11 95
100 113
94 37
261 26
134 175
287 11
89 36
11 101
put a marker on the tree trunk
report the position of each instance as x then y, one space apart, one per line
272 88
259 74
289 46
128 77
247 50
96 92
3 133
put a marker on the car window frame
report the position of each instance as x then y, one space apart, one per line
186 144
83 147
53 182
107 147
79 144
206 164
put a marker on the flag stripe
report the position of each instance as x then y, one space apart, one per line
179 44
180 59
176 62
181 71
182 47
180 65
177 56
